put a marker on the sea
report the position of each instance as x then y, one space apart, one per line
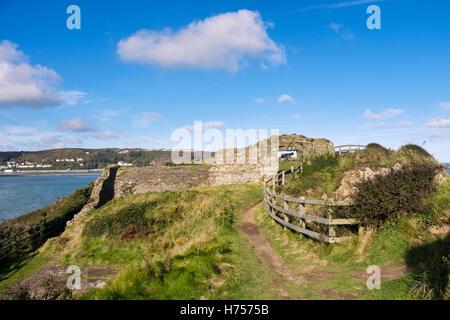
23 194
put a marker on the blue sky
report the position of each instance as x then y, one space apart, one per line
305 67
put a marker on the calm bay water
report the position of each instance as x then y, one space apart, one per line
21 194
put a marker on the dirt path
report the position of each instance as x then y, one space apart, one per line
268 257
266 254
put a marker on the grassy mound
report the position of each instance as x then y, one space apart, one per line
169 245
322 176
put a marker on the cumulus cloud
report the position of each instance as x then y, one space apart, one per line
23 84
444 105
75 125
285 98
345 33
385 114
221 42
145 119
438 123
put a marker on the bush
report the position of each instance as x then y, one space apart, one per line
398 192
415 149
116 223
376 146
319 163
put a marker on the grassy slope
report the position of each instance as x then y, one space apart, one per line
405 242
188 251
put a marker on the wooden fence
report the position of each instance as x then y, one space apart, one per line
288 211
348 148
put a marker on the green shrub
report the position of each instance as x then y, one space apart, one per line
377 147
116 223
319 163
415 149
398 192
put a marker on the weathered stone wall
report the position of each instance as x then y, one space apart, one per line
149 179
104 186
240 173
305 147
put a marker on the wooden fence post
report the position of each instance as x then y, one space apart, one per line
331 230
285 216
283 178
273 183
301 209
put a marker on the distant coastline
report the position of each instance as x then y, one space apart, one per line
39 173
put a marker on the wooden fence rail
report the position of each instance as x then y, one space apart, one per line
27 238
348 148
283 214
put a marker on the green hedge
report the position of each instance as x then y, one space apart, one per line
398 192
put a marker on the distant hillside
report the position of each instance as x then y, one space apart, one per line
71 158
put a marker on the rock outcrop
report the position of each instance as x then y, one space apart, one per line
347 189
305 147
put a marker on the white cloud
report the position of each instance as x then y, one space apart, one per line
338 5
53 140
72 140
221 42
385 114
207 125
103 135
75 125
144 119
72 97
438 134
18 130
285 98
107 115
22 84
345 33
27 138
444 105
438 123
296 116
395 124
259 100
